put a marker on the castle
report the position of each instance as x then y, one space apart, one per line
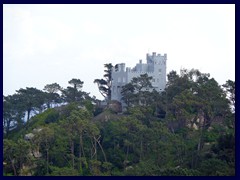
155 67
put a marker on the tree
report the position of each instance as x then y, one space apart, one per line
104 85
79 122
73 94
13 113
45 138
137 91
77 83
229 88
16 154
52 96
9 155
128 94
196 100
188 129
142 83
172 77
32 99
52 88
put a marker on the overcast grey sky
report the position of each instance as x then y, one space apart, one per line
44 44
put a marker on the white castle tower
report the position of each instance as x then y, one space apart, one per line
155 67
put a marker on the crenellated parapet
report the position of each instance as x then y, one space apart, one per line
154 67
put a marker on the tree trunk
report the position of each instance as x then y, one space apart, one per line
81 141
28 113
47 161
192 162
80 153
101 148
200 141
95 147
93 150
127 152
141 149
72 153
12 163
8 127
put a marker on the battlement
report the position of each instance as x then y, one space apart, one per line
154 67
119 68
141 72
155 56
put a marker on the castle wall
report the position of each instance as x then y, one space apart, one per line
119 79
155 67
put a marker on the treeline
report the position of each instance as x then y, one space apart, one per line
18 108
187 130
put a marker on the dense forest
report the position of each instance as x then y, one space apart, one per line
186 130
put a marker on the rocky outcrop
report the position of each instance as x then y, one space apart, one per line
115 106
30 136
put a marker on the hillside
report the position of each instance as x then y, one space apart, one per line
187 130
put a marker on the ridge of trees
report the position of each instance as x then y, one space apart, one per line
186 130
29 101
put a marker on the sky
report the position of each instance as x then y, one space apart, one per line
45 44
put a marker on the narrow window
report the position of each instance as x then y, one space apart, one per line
118 89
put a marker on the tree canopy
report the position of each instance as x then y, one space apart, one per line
104 85
188 129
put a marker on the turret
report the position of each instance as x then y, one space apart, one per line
121 67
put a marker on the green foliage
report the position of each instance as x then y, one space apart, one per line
16 154
104 85
48 116
187 130
89 106
215 167
52 116
179 172
77 83
32 99
13 113
137 91
66 110
52 97
229 88
65 171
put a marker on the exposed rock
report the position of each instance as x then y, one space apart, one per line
28 136
210 128
129 168
189 125
197 120
25 171
37 130
37 154
107 117
195 126
115 106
